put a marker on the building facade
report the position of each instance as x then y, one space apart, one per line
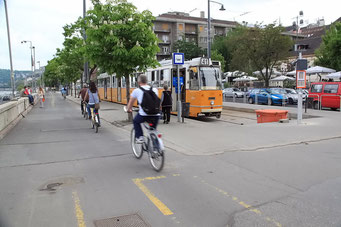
173 26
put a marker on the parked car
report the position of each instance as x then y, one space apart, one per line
266 95
292 95
230 92
325 94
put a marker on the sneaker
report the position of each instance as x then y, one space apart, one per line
139 140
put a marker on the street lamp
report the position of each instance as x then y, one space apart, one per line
26 41
209 26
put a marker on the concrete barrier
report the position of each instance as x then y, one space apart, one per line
12 112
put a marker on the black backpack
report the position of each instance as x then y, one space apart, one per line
150 102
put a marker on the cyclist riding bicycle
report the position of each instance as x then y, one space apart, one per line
82 94
149 106
63 91
93 98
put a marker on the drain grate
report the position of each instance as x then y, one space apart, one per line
131 220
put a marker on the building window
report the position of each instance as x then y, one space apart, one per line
165 26
201 28
181 27
165 49
165 38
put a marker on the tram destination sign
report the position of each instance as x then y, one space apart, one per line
204 61
178 58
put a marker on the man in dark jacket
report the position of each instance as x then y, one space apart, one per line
82 93
166 104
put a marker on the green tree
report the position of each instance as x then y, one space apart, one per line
120 39
329 53
51 75
221 46
258 48
190 49
215 55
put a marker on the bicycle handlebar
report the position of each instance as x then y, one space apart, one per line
134 109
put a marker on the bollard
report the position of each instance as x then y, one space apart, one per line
269 99
234 98
256 98
244 98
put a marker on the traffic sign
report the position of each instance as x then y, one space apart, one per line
301 79
178 58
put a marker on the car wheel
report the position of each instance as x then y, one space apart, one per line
291 101
250 100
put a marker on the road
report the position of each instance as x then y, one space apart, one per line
55 171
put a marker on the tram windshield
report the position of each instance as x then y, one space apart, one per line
209 78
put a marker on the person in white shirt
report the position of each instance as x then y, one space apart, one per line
142 116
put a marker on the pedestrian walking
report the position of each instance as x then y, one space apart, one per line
41 95
166 104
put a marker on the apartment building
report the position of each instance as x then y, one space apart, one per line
173 26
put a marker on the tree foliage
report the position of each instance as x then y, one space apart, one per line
215 55
190 49
258 48
119 38
221 46
329 53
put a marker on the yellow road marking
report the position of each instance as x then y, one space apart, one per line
78 210
243 204
160 205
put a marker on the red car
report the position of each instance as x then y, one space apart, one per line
325 94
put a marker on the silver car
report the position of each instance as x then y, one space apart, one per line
230 92
292 95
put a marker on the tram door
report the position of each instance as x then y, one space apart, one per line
106 88
182 87
119 85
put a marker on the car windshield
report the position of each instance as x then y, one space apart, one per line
236 89
277 91
289 91
209 78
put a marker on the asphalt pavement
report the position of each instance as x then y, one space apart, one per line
55 171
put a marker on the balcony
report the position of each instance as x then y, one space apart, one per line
163 54
159 30
164 42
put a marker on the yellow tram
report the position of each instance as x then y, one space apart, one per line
200 85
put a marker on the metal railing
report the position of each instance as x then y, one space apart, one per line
326 95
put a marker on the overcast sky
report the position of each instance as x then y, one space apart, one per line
41 21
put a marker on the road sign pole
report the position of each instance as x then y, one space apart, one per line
179 94
299 101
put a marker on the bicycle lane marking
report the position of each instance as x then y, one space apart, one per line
78 210
241 203
160 205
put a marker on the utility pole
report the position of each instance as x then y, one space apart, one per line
10 50
209 25
86 64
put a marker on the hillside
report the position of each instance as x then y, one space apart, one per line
5 76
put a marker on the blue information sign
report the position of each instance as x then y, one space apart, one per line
178 58
175 83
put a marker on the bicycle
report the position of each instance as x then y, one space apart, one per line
85 110
94 119
152 144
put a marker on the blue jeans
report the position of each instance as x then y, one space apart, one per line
95 111
30 99
140 119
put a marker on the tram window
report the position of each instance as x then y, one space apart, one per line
161 75
123 82
193 78
153 76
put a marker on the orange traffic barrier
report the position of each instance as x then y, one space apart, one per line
264 116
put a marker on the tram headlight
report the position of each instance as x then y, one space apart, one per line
212 103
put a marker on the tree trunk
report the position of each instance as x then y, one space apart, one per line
75 90
130 115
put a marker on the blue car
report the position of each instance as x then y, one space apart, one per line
266 95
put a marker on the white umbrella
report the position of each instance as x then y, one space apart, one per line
274 72
319 69
282 78
291 73
245 78
336 75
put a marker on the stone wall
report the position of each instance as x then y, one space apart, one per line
11 112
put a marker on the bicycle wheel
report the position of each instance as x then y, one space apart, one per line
156 155
137 148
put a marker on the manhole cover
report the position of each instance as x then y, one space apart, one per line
132 220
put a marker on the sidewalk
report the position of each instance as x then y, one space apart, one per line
215 137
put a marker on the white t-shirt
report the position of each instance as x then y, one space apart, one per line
138 94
